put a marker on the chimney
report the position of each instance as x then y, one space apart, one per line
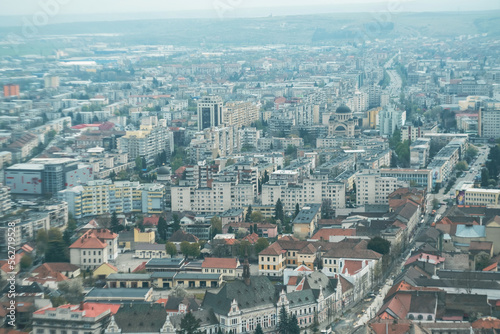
81 306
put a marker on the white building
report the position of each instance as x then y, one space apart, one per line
372 188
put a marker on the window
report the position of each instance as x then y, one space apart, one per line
83 252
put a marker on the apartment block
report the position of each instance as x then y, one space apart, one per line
373 188
104 196
240 113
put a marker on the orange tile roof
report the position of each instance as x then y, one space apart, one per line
491 267
486 323
252 238
88 241
222 263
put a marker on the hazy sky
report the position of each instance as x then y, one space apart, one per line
64 7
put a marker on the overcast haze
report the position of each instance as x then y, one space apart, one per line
27 7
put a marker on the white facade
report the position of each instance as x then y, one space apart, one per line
372 188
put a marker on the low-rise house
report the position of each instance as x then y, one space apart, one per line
119 295
119 280
81 319
228 267
149 251
104 270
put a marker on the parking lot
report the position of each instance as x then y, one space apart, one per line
125 261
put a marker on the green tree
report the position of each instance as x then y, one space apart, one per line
185 248
482 261
379 245
297 210
293 326
260 245
189 325
26 262
216 224
71 223
279 213
56 251
116 227
162 228
258 329
283 324
245 248
462 166
485 177
248 214
194 250
256 217
42 241
72 290
171 249
471 153
435 204
177 223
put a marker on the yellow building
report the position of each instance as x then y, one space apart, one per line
104 270
128 281
479 196
371 118
146 237
272 260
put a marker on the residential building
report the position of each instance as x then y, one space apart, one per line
86 318
306 222
372 188
11 90
5 202
238 114
489 122
389 119
147 142
104 196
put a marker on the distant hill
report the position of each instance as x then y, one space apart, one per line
298 29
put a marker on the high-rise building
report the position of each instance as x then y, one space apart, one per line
147 142
51 81
373 188
10 90
210 112
390 119
489 122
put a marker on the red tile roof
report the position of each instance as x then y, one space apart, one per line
423 257
217 262
153 220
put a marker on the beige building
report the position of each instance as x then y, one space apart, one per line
240 113
306 222
482 197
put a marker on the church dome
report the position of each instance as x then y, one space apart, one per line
163 170
343 110
340 128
